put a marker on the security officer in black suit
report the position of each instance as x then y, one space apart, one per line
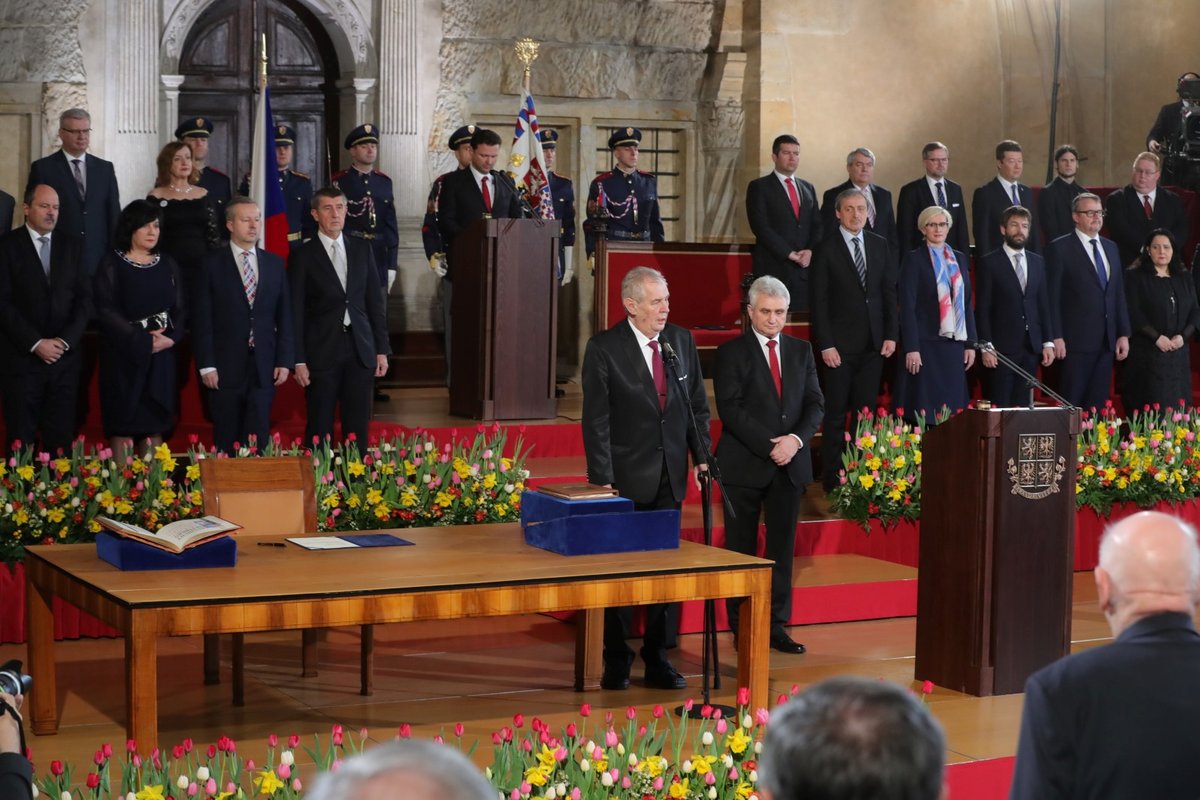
195 132
297 189
371 207
562 192
626 198
431 235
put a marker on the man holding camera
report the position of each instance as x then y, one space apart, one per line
1168 126
16 773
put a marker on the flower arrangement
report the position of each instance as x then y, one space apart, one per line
881 471
701 757
403 480
1147 458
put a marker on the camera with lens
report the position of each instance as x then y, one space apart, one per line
1181 161
12 680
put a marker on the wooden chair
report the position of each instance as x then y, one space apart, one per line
267 495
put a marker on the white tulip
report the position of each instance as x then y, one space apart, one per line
182 781
707 738
201 774
286 757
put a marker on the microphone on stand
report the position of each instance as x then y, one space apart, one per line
669 357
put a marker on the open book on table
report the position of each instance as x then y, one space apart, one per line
180 535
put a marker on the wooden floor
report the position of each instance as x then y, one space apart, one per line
479 673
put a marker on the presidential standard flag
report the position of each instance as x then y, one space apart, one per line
526 164
264 181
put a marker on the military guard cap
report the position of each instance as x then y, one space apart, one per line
624 136
461 136
549 138
285 135
198 127
363 134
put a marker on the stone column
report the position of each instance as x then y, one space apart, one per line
400 144
137 95
170 114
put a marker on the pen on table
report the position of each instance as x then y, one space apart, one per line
271 544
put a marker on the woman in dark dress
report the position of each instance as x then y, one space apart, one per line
1163 314
189 223
139 307
936 323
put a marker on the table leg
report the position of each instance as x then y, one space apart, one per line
366 661
39 631
141 681
308 653
754 634
589 648
212 659
239 669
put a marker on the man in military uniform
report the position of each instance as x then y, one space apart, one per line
370 206
562 192
431 236
297 189
626 197
195 132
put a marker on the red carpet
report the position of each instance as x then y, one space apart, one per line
980 780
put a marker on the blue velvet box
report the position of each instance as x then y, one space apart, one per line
129 555
585 527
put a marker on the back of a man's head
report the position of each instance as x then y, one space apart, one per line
405 770
852 738
1149 564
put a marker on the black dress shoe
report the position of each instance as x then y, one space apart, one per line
381 397
785 644
616 675
664 676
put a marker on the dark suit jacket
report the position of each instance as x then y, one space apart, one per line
844 315
1167 124
33 308
1054 208
1011 320
1086 316
8 207
777 232
319 302
461 203
915 197
752 413
222 318
1128 226
93 218
625 435
16 777
919 309
987 206
885 217
1117 720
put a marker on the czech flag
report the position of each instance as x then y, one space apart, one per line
526 164
264 181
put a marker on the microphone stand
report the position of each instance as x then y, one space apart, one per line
526 207
1030 381
709 660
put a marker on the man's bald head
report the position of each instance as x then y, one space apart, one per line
1149 563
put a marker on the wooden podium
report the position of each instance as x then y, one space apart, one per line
997 547
505 313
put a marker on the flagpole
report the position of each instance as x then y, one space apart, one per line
262 65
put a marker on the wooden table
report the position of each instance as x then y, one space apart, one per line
451 573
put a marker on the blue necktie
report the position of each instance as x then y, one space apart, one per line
1016 197
941 195
1100 271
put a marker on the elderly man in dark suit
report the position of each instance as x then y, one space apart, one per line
1141 206
86 185
854 321
45 303
636 434
341 337
242 330
1087 303
770 405
933 189
881 219
1012 310
1054 202
786 222
1000 193
1119 720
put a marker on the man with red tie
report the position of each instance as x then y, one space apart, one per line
786 223
770 405
1141 206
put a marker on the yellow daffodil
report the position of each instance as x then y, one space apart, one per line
387 468
268 783
867 481
744 790
162 452
678 791
374 496
900 461
703 764
353 501
537 775
444 499
150 793
56 515
917 458
332 500
382 511
652 766
874 463
25 472
489 481
193 472
62 465
356 468
21 516
738 741
166 496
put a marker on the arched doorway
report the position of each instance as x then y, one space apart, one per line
220 62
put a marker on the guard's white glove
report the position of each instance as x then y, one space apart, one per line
568 265
437 263
391 280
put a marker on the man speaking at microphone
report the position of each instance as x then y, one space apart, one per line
640 378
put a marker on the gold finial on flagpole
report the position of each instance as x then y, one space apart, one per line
527 53
262 64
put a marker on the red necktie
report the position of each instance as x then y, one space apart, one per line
1146 206
660 375
487 196
774 362
795 198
